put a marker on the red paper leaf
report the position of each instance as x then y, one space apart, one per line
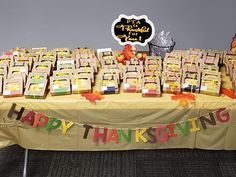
92 97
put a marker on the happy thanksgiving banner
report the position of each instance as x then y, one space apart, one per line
160 133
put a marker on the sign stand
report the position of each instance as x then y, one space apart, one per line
25 163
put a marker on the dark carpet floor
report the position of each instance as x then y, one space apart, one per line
140 163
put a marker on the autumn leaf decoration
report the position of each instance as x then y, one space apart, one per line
233 44
183 98
228 92
92 97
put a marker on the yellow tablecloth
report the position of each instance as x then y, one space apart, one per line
124 110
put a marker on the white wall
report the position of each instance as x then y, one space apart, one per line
74 23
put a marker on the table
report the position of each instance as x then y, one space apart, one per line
124 110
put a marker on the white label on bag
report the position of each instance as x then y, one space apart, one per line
203 87
41 85
6 93
15 53
104 88
74 87
185 85
55 86
166 85
23 70
145 90
65 62
126 85
103 50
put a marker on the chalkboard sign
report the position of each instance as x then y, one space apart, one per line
133 30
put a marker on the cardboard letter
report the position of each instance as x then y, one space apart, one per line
222 116
151 134
14 111
211 121
184 130
65 126
30 117
162 134
171 127
139 135
53 123
102 135
113 136
194 128
122 133
87 128
40 120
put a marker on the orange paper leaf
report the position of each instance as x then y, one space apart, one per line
92 97
227 92
184 98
